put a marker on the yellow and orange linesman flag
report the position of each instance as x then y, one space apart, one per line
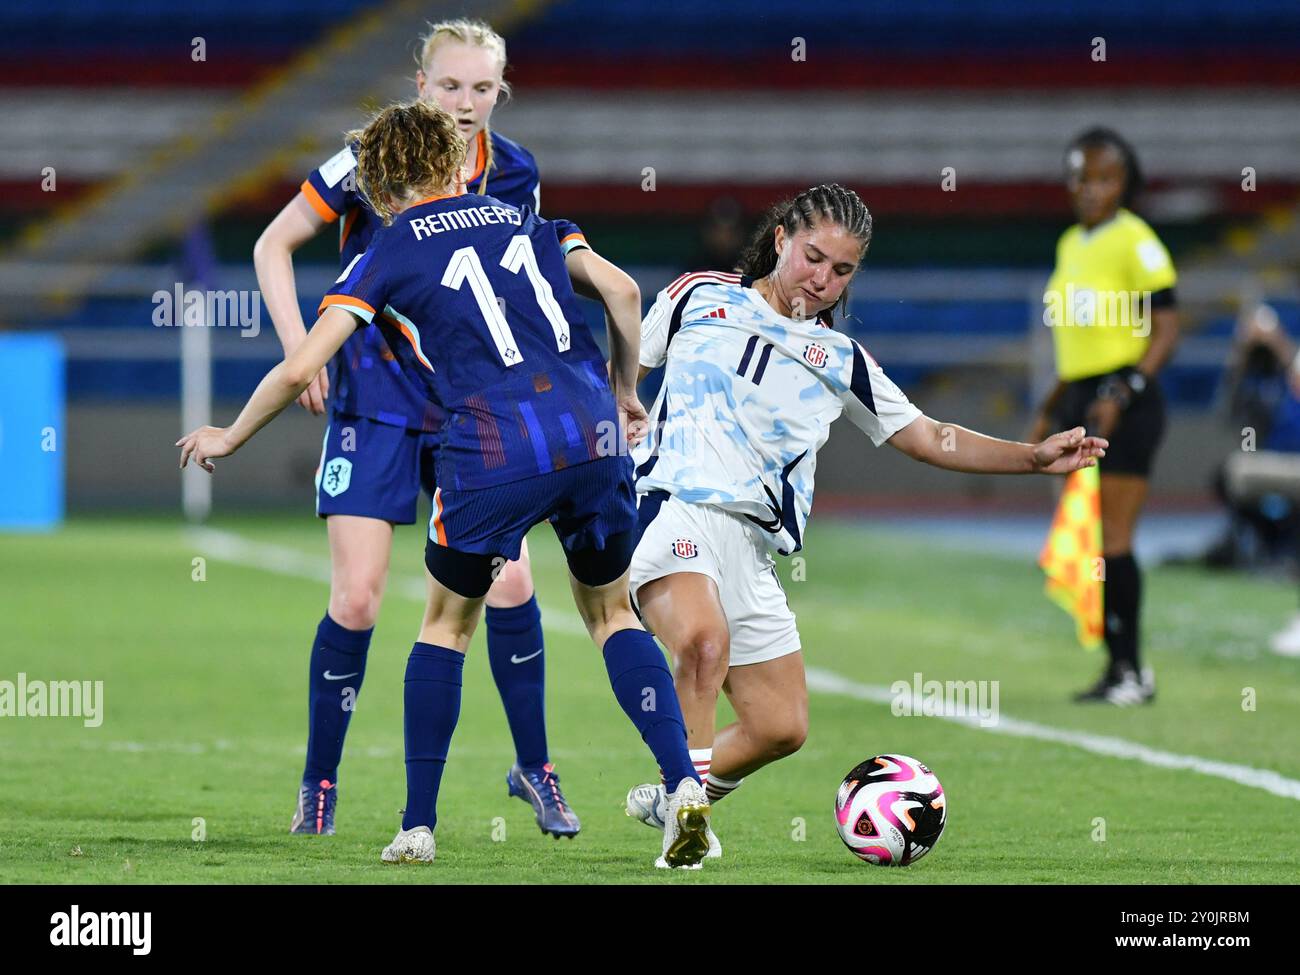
1072 558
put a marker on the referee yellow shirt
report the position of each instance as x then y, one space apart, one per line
1098 301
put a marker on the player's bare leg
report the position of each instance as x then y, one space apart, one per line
360 549
684 610
450 619
771 704
604 609
359 555
514 583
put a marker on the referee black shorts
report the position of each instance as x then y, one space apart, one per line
1141 426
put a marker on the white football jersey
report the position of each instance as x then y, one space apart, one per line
747 400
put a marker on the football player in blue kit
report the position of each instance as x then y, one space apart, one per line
378 448
474 297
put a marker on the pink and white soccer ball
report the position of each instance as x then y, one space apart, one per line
890 810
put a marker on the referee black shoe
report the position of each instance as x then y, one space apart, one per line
1121 686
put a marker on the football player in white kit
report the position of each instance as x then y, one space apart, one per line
755 376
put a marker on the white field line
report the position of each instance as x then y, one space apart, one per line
1257 778
230 547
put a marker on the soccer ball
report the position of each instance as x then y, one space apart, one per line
890 810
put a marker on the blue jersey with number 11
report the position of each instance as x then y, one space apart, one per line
473 296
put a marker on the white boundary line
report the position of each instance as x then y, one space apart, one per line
230 547
830 683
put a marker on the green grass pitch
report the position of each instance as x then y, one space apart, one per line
204 720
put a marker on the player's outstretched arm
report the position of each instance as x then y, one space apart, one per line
595 277
278 388
955 448
292 227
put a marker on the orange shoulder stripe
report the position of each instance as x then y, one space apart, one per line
317 202
345 300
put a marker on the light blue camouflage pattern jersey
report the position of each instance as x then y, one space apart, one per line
747 400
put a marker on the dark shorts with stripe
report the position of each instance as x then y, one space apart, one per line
1136 437
591 506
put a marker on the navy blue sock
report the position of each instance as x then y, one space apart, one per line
338 665
514 639
644 688
432 706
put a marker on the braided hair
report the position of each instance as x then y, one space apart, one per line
1100 137
829 201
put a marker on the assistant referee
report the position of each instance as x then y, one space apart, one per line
1110 303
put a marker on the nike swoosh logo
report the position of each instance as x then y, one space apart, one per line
328 676
520 660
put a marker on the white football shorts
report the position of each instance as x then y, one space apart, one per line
686 537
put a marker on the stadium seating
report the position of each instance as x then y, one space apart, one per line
941 82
